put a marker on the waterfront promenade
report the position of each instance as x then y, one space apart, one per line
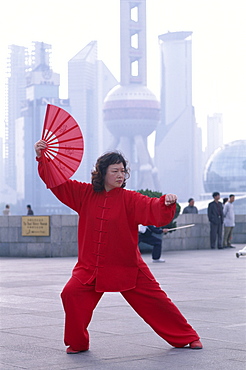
208 286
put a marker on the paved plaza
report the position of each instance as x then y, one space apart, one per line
208 286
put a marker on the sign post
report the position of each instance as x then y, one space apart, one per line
35 225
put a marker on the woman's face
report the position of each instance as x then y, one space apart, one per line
114 177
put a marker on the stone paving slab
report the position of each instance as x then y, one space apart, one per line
208 286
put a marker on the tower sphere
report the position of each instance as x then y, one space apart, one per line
131 110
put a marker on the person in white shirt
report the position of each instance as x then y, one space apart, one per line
229 221
6 211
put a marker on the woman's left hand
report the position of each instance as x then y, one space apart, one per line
170 199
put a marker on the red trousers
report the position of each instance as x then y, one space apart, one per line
147 299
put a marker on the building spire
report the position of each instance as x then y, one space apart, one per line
133 42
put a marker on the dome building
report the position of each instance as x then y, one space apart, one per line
226 169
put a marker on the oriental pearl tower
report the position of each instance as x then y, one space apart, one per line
131 110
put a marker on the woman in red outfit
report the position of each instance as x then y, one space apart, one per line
109 259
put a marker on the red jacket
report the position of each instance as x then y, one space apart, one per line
108 232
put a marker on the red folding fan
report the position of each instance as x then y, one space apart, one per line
65 146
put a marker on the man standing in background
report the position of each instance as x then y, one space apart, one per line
6 211
190 208
229 221
29 210
216 217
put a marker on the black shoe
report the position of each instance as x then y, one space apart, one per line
232 246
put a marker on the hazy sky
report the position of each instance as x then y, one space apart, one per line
219 47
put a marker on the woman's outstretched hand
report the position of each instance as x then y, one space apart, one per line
39 146
170 199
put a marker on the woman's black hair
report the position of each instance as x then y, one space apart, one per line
98 175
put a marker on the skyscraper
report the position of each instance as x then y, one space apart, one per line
17 65
89 81
131 111
178 144
214 134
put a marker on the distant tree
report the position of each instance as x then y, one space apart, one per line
150 193
157 194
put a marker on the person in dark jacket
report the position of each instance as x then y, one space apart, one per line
216 217
153 236
29 210
190 208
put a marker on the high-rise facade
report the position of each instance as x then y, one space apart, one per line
17 65
214 134
89 81
178 144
